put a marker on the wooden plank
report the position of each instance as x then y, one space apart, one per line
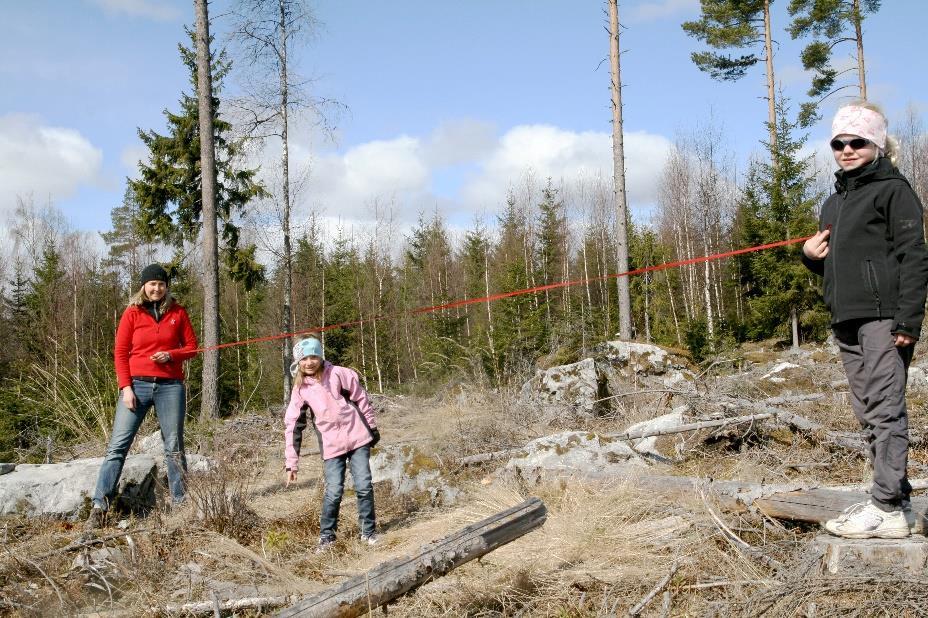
819 505
394 578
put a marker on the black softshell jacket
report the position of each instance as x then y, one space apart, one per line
876 266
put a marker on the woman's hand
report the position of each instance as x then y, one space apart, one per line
161 357
128 397
903 340
291 477
816 248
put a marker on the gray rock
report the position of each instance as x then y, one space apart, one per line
643 363
407 469
661 423
6 468
574 454
65 489
576 386
153 445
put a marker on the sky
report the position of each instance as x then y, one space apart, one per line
447 104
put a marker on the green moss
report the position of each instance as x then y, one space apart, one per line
418 462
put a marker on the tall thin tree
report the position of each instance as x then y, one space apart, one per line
618 163
738 24
268 31
210 398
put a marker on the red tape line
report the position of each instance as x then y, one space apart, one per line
484 299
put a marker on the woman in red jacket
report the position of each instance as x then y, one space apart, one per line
153 340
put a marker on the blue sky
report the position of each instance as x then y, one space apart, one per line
449 102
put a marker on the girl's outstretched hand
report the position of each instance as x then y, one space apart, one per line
291 477
816 248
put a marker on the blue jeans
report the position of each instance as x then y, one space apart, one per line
170 401
334 471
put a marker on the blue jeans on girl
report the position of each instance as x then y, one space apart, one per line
334 471
170 401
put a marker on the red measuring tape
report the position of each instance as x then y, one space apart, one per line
492 297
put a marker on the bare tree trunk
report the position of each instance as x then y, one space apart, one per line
794 320
287 309
486 284
618 162
210 398
771 101
858 32
673 310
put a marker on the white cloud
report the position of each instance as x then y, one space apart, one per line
131 156
43 160
661 9
471 167
565 155
462 141
149 9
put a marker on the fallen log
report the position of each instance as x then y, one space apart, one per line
821 504
392 579
636 435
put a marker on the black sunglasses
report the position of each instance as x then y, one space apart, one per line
856 143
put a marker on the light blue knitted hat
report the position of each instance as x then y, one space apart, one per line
303 348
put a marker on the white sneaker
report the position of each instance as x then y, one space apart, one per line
867 521
370 539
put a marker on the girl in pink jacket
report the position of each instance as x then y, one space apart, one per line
331 397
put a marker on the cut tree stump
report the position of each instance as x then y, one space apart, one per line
392 579
848 557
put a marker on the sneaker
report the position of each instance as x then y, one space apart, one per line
96 519
867 521
370 539
325 544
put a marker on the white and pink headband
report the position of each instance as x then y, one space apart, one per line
856 120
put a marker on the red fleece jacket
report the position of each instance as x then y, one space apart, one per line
139 336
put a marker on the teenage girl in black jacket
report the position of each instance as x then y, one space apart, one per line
871 251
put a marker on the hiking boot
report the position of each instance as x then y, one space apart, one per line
96 519
370 539
325 544
867 521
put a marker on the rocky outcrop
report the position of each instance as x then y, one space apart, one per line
642 364
153 445
576 387
573 454
65 489
409 470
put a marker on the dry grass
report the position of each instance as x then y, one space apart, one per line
603 548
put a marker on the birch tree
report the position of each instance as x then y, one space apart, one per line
268 32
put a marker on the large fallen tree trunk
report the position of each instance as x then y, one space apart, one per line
819 505
391 579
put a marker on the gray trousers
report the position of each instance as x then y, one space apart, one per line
877 371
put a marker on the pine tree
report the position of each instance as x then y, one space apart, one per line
736 24
828 21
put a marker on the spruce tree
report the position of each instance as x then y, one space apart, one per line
168 191
778 203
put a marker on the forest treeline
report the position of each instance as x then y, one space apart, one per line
63 291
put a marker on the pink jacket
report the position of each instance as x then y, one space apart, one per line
337 421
